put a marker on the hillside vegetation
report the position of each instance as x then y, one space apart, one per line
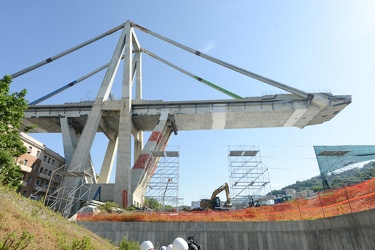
335 180
24 222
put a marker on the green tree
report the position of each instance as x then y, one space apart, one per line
169 208
317 188
11 176
12 107
153 203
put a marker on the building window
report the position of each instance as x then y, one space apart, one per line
49 173
53 161
29 150
45 171
33 166
37 153
42 184
49 160
29 180
45 158
40 170
37 183
25 162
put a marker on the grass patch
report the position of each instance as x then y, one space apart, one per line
28 224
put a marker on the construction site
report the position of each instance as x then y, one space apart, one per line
123 122
148 168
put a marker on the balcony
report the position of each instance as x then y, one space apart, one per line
25 168
44 176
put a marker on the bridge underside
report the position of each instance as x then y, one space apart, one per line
163 118
284 110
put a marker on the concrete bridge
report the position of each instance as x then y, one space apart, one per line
127 118
283 110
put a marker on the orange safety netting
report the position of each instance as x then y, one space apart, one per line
348 199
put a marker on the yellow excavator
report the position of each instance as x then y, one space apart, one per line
214 202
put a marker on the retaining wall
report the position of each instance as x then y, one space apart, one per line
351 231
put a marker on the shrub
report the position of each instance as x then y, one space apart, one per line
12 242
108 206
129 245
84 244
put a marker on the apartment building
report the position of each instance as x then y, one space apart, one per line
305 194
38 166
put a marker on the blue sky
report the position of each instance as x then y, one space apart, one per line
310 45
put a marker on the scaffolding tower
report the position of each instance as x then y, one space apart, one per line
164 185
248 176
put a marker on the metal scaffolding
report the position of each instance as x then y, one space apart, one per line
333 160
164 185
248 176
72 195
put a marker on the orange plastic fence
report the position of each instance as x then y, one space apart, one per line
325 204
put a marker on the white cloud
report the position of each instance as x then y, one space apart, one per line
208 46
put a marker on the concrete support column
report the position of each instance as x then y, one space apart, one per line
138 75
122 194
89 169
106 170
145 165
70 138
138 140
138 144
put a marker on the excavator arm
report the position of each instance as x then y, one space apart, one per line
228 202
214 202
223 187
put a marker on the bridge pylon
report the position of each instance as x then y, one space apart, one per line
77 147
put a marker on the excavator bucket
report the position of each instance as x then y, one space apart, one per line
227 204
